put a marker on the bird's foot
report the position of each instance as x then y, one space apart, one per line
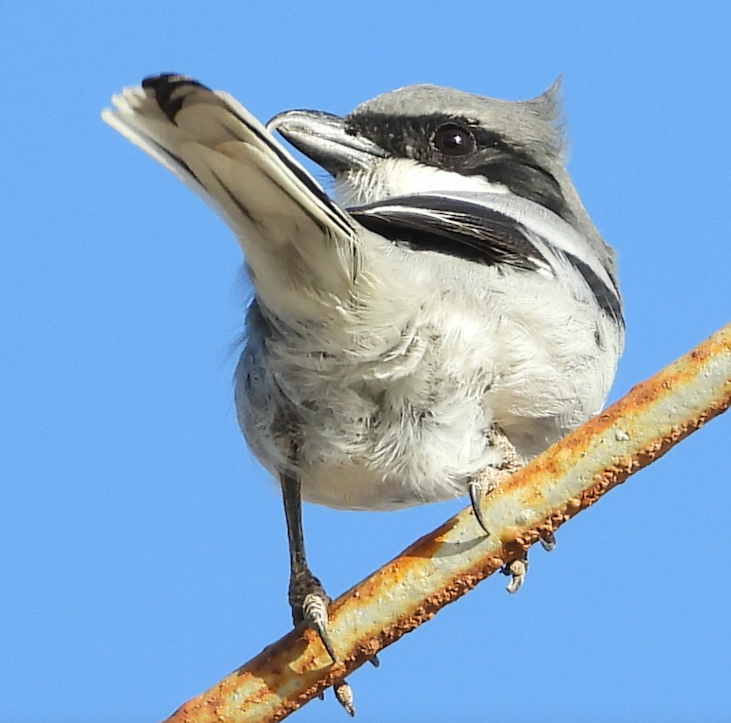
309 602
517 569
344 694
548 542
487 480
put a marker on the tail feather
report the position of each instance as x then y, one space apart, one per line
289 229
139 119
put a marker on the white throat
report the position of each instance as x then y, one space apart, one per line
401 176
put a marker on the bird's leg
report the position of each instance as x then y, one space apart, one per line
307 597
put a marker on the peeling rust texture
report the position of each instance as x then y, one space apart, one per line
444 565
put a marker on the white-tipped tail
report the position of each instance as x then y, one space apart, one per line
293 236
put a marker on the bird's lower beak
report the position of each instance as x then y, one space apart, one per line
323 138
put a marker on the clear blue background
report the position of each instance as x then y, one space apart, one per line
143 551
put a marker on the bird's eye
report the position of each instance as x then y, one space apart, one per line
454 140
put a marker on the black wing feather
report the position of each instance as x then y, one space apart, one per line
451 226
475 233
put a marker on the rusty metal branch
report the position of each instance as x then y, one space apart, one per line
445 564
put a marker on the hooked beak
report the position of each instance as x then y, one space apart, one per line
322 137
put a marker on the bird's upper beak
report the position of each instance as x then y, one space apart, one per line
323 138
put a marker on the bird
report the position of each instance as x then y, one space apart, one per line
443 316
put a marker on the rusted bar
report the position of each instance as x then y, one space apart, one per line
445 564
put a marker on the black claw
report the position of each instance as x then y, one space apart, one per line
374 661
324 636
474 490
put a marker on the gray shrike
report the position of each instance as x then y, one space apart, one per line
454 314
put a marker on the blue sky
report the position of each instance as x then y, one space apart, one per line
142 549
